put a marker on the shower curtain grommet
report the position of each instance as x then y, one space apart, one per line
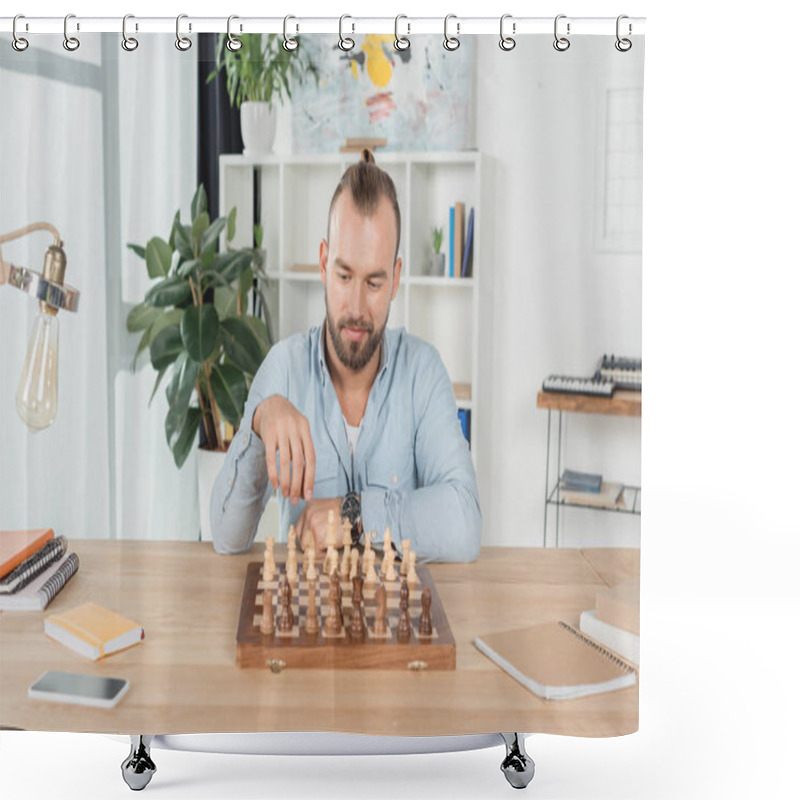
71 43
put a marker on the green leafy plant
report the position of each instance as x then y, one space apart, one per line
438 233
194 324
262 68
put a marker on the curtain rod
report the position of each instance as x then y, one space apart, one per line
460 26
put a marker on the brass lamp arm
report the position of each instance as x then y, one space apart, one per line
53 292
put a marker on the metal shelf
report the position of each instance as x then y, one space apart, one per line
632 507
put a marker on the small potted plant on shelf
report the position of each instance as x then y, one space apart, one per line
436 258
195 325
258 74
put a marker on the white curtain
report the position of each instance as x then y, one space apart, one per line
75 127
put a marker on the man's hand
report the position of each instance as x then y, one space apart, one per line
285 431
313 522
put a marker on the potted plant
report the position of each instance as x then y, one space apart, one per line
194 324
436 258
259 73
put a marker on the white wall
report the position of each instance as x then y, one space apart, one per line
551 302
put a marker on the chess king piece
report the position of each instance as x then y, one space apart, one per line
425 622
312 622
268 572
267 616
411 576
357 627
380 611
404 622
406 550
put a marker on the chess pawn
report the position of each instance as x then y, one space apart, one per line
291 565
334 562
311 570
370 577
404 622
411 576
391 571
357 627
387 540
345 570
380 611
312 622
353 564
425 622
267 616
406 550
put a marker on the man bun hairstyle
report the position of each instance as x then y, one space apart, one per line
367 184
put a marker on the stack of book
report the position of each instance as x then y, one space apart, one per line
614 620
586 489
34 567
459 263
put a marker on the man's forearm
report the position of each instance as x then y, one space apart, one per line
442 521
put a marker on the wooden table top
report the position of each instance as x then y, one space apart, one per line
623 403
184 679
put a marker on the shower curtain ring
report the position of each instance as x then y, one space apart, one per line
183 43
507 42
128 42
401 42
233 44
345 42
623 45
561 43
289 43
19 44
71 43
451 42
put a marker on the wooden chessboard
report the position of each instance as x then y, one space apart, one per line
320 651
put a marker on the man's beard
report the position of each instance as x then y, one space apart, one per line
353 355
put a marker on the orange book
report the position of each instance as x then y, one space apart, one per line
16 546
93 631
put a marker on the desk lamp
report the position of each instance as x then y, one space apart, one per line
37 394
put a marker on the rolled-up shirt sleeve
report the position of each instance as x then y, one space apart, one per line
242 487
441 517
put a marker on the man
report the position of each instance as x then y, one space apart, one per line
353 417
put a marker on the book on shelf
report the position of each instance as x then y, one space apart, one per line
466 261
462 391
93 631
556 661
16 546
465 418
33 565
306 268
458 239
451 241
581 481
617 639
355 144
39 592
611 495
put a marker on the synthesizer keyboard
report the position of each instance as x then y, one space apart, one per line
626 373
596 385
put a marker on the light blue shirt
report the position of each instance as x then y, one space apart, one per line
411 465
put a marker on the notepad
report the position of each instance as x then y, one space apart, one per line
556 661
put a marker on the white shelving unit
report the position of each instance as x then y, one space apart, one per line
294 194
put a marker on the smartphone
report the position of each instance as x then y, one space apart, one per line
73 687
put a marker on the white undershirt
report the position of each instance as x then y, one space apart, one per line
352 437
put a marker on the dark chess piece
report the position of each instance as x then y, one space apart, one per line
404 622
425 622
285 622
357 627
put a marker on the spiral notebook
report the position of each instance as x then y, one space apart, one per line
40 591
556 661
